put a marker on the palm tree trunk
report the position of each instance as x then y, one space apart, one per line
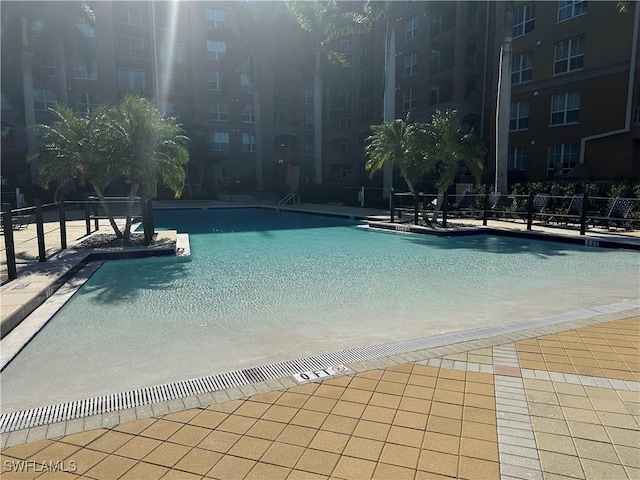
438 206
130 201
317 119
415 196
107 211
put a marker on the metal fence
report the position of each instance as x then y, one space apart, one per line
34 234
578 211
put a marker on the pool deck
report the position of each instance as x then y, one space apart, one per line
556 402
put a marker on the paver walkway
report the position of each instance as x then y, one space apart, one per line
558 406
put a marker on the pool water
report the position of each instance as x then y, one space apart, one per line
261 287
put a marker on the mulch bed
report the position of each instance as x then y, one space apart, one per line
109 240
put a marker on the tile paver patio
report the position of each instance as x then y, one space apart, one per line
411 420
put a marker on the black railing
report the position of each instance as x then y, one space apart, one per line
42 219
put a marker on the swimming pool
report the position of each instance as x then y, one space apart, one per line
262 287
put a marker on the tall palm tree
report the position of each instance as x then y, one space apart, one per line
449 145
326 21
33 30
398 144
152 148
79 147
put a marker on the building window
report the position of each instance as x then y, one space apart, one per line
132 80
173 82
248 142
177 55
344 146
344 100
245 84
524 19
219 112
571 8
43 99
517 159
519 116
214 17
565 108
436 57
345 123
81 72
248 114
308 121
411 27
214 80
568 55
471 55
308 96
411 64
131 14
220 141
48 65
216 49
308 146
521 68
86 102
434 95
130 47
562 158
409 101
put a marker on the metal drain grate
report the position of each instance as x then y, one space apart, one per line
170 391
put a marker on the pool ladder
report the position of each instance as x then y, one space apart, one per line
293 198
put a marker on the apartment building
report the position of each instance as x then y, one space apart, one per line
240 74
575 86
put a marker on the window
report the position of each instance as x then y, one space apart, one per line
345 123
308 146
568 55
562 158
173 82
571 8
517 159
248 114
245 84
86 102
214 80
524 19
411 27
131 47
471 54
219 112
308 121
43 99
519 116
80 71
248 142
214 18
344 100
166 54
344 146
409 102
216 49
565 108
308 96
411 64
133 80
220 141
434 95
48 65
131 14
435 61
521 68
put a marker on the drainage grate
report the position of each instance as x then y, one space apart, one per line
170 391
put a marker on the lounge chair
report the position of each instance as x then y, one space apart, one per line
618 213
573 213
465 206
539 206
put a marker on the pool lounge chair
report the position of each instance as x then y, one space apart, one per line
539 206
573 213
618 213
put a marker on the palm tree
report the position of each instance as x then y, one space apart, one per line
79 147
326 21
398 144
152 148
33 30
449 145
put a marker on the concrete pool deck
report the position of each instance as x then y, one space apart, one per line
561 401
